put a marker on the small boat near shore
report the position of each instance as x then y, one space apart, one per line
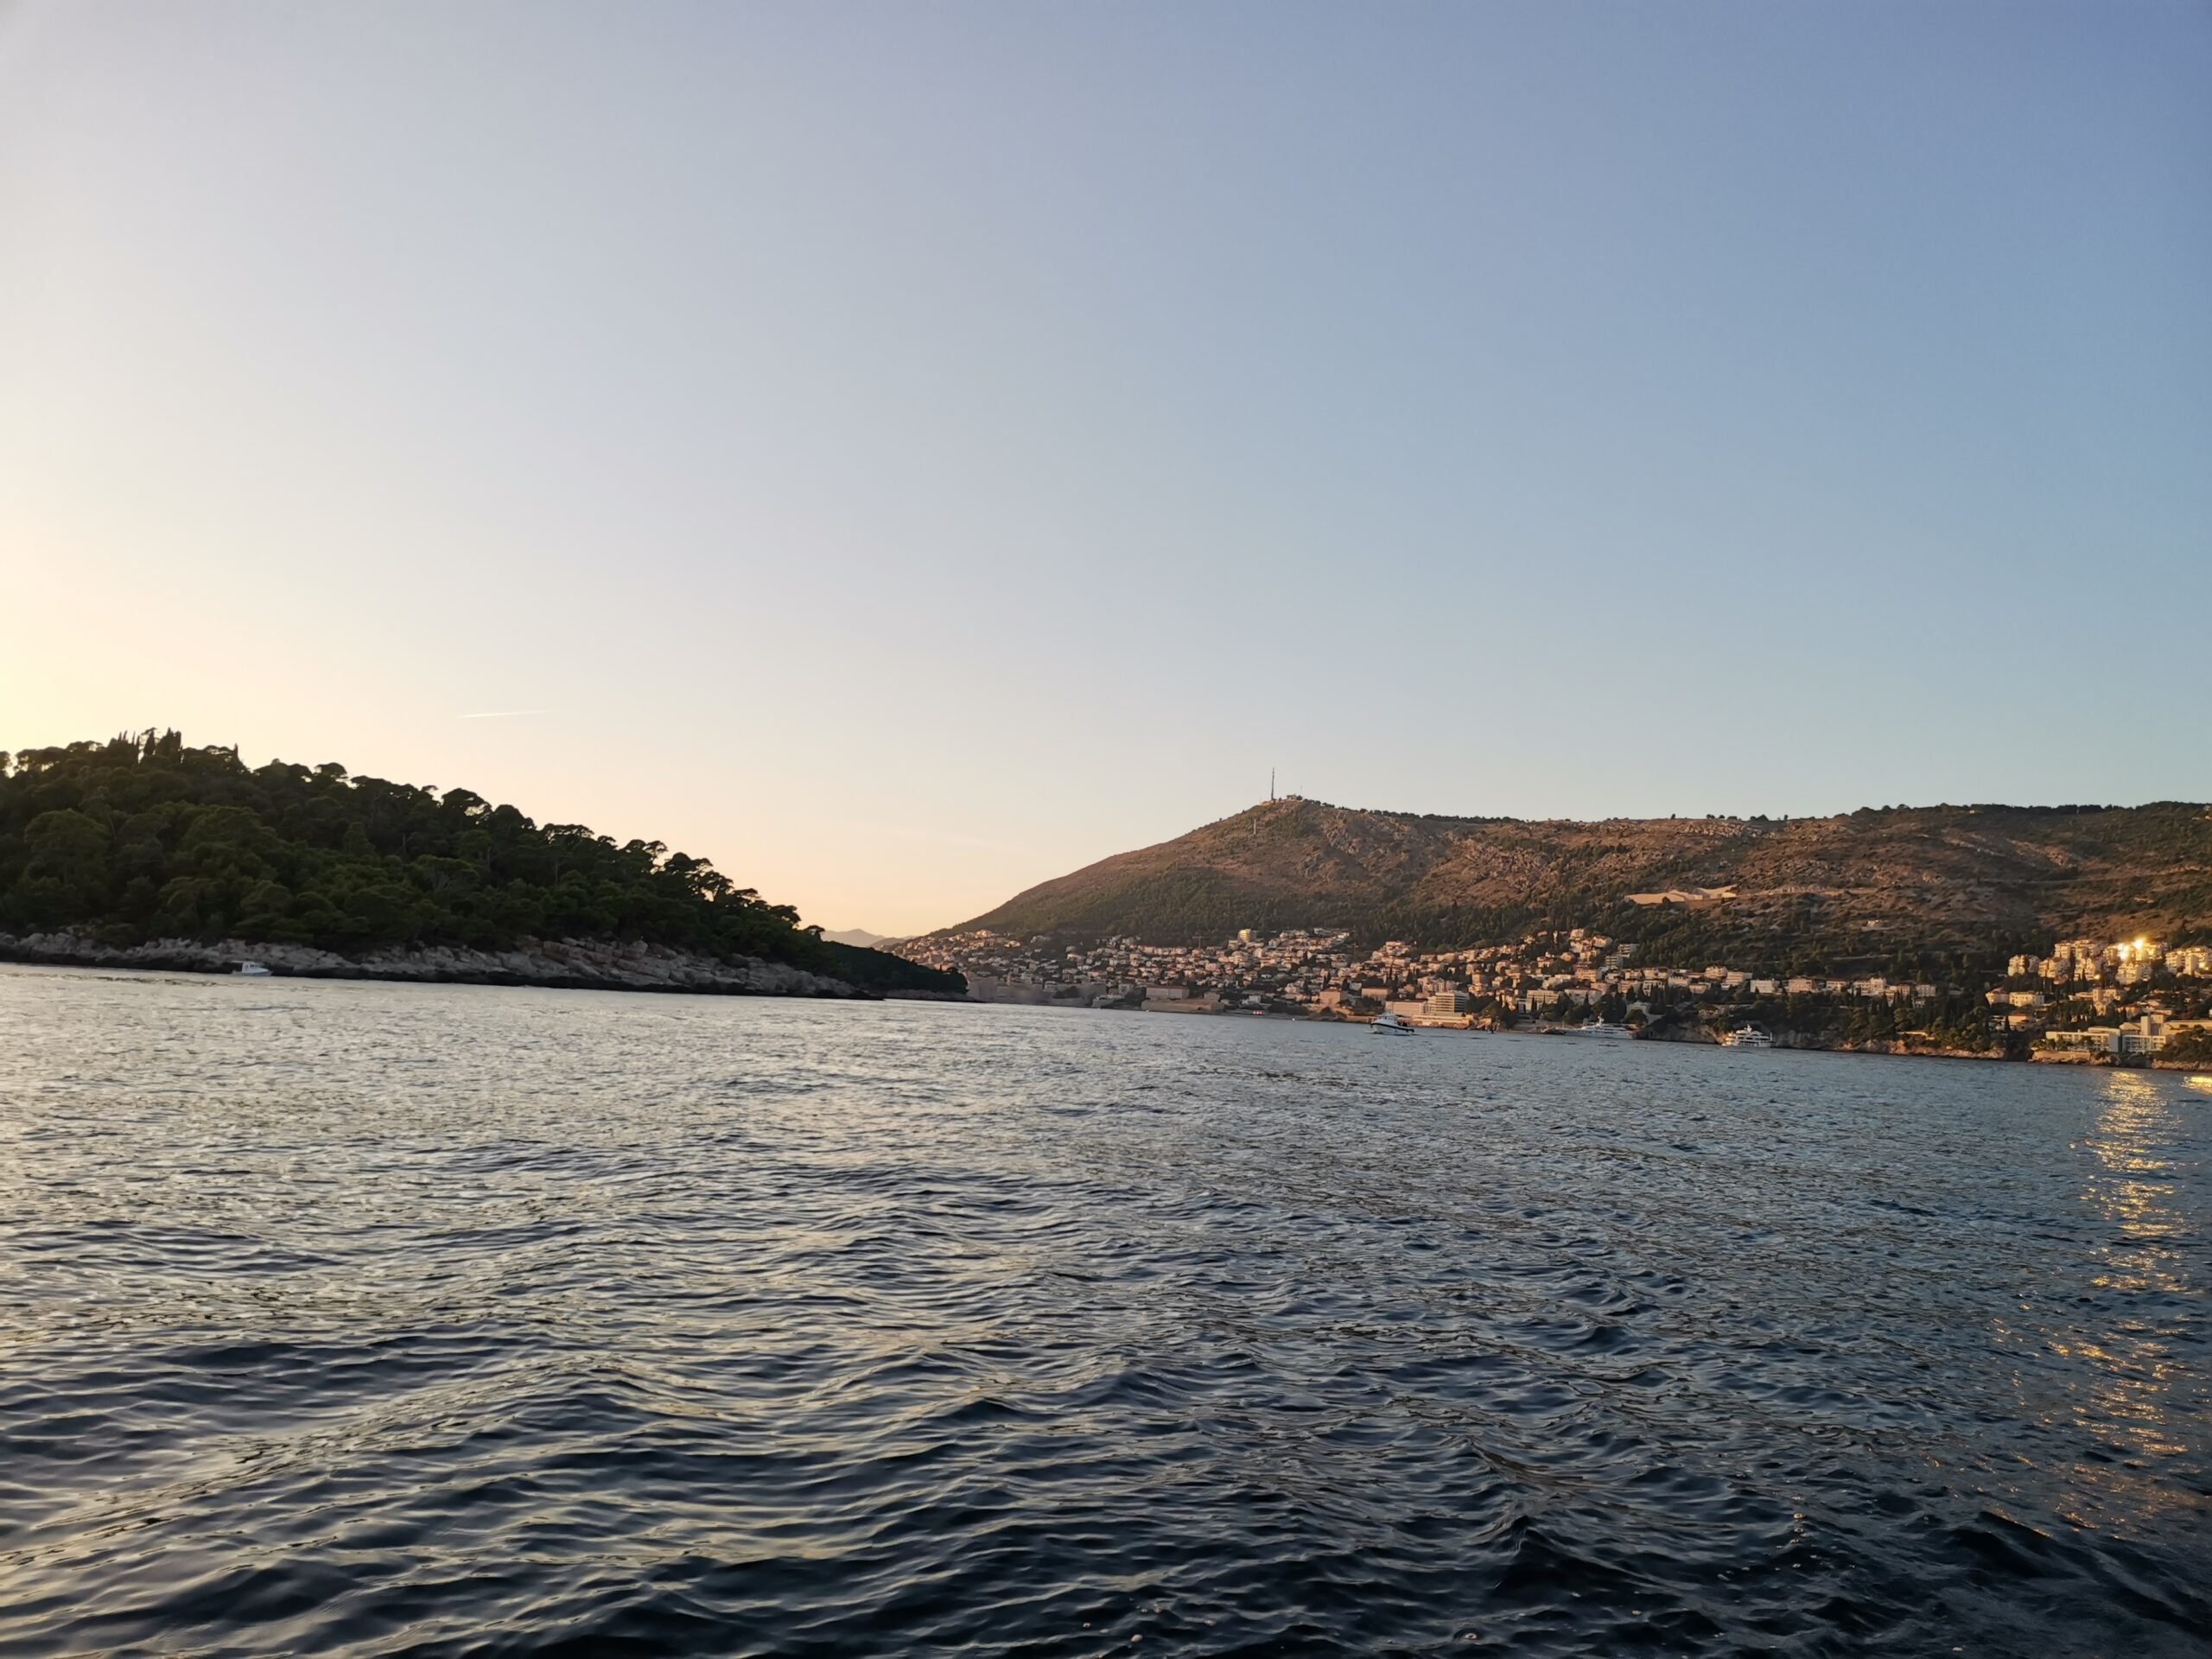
1747 1037
1390 1022
253 971
1603 1029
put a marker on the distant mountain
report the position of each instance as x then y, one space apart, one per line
1873 883
859 938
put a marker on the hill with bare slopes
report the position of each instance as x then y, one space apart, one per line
1869 883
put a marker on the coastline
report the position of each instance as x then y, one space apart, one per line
1783 1043
1790 1043
600 965
554 964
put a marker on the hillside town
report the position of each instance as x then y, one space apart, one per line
2085 999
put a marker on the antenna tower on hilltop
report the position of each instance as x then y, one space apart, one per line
1271 784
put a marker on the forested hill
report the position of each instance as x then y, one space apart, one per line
143 837
1870 883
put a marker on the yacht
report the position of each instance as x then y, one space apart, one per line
1747 1037
1605 1028
1389 1022
253 971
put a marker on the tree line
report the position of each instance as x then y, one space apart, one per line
143 837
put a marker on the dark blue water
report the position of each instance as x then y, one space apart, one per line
379 1320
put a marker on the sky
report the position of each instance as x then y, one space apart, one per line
904 453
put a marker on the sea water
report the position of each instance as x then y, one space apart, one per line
379 1320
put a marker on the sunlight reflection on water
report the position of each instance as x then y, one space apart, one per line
2135 1141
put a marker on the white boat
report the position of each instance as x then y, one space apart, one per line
253 971
1605 1028
1747 1037
1389 1022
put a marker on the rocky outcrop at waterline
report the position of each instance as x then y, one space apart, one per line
571 964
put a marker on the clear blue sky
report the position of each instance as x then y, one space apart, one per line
904 452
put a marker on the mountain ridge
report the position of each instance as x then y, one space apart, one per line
1943 877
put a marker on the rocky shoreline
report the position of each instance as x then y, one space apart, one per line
562 964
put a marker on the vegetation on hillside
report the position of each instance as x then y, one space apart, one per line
144 837
2190 1048
1899 890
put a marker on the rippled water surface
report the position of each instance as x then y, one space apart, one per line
385 1319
